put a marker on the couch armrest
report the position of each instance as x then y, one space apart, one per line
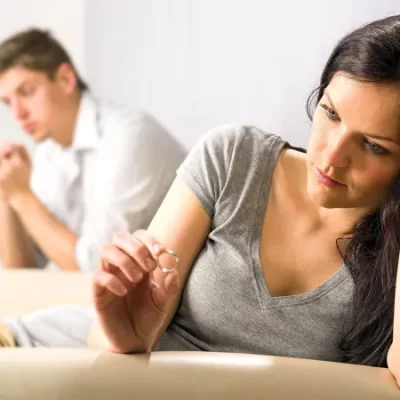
88 374
25 290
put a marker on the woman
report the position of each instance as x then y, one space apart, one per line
261 231
280 252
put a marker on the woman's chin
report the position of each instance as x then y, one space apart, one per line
327 199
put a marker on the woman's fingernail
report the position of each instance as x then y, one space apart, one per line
154 284
174 284
156 248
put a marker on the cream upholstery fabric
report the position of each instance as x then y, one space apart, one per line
59 374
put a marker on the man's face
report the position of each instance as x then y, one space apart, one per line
34 100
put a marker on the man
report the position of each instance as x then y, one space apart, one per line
98 168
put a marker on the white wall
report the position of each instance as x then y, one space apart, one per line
65 18
196 64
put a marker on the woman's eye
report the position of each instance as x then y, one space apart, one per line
375 148
330 113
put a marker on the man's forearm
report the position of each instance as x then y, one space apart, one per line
55 240
16 247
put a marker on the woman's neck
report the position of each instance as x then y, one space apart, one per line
340 221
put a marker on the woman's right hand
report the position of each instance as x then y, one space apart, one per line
131 294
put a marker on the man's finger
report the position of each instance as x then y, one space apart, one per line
7 149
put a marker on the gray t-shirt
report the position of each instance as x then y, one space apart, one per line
226 306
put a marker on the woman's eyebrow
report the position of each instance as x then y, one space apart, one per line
371 135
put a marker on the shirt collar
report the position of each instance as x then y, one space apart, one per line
86 135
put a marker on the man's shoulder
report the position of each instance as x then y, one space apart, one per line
132 127
111 115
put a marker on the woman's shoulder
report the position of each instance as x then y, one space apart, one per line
238 131
228 159
246 138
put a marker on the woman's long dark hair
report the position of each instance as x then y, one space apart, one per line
371 54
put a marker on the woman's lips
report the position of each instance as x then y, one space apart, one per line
326 180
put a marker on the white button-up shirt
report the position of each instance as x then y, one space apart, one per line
112 178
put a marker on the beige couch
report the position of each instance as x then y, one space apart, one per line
86 374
